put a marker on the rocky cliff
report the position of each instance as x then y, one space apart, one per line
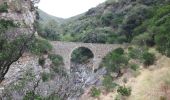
17 19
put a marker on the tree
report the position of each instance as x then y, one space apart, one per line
115 61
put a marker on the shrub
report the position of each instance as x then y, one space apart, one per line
57 60
135 53
45 76
40 47
119 51
41 61
95 92
108 83
32 96
149 58
134 67
4 7
115 61
124 91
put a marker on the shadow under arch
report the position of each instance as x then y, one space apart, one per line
81 56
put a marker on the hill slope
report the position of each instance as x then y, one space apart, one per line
44 17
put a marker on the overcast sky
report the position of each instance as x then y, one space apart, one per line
67 8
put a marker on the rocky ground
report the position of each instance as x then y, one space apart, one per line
26 75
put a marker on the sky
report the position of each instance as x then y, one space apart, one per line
67 8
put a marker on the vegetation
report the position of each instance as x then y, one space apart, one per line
116 61
4 7
81 55
134 67
32 96
10 49
108 83
95 92
41 61
46 76
124 91
57 60
149 58
39 47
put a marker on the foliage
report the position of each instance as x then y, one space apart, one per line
144 39
57 60
39 46
31 96
162 30
136 52
41 61
149 58
4 7
46 76
108 83
95 92
50 30
134 67
124 91
115 61
53 96
81 55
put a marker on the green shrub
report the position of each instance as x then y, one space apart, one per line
41 61
40 47
115 61
45 76
134 67
95 92
57 60
124 91
149 58
32 96
135 53
4 7
108 83
119 51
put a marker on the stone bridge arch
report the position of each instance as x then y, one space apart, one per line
99 51
91 50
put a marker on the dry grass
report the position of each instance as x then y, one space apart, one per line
151 84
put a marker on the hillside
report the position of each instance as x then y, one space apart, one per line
37 62
44 17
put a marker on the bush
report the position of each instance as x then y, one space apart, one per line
135 53
57 60
95 92
124 91
149 58
32 96
115 61
4 7
119 51
41 61
134 67
108 83
45 76
40 47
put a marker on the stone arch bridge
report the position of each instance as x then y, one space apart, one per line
99 51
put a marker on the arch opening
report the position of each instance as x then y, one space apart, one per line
81 59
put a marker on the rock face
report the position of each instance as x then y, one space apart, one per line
17 18
25 75
22 13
